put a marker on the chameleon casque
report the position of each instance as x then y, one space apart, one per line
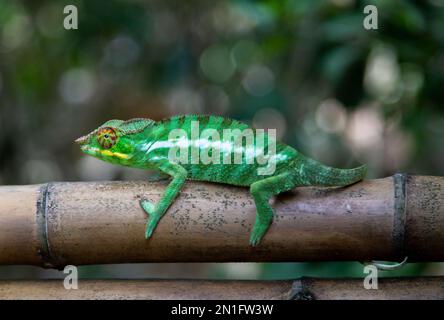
144 143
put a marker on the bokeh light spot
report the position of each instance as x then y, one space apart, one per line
268 118
216 63
258 81
244 53
215 99
365 127
382 74
49 21
16 32
331 116
412 77
77 86
122 51
184 100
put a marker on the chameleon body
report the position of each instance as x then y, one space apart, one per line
146 144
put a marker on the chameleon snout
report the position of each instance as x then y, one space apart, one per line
81 140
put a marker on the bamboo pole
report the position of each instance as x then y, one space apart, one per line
300 289
56 224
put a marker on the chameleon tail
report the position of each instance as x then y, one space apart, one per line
315 173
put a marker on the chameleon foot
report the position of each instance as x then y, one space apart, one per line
257 234
153 219
151 225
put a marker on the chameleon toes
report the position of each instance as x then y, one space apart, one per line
151 225
153 219
255 238
147 206
254 242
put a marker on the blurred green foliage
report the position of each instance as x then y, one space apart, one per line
336 91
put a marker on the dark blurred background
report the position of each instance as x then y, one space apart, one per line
337 92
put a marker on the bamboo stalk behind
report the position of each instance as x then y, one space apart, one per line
56 224
301 289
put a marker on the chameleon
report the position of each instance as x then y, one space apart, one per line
148 144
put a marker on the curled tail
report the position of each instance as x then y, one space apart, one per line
312 172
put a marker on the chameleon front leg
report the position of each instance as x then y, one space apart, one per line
262 191
156 212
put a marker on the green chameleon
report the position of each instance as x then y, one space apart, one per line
148 144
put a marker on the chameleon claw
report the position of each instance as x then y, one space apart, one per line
254 239
257 234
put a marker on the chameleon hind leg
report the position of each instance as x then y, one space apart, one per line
156 212
262 191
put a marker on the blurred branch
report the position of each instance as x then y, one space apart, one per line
301 289
56 224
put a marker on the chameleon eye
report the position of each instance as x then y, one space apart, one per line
106 137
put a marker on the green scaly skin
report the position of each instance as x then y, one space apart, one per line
144 143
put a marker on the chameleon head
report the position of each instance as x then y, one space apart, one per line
113 141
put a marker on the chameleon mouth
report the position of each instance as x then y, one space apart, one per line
113 154
90 151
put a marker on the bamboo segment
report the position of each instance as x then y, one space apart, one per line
18 225
56 224
301 289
